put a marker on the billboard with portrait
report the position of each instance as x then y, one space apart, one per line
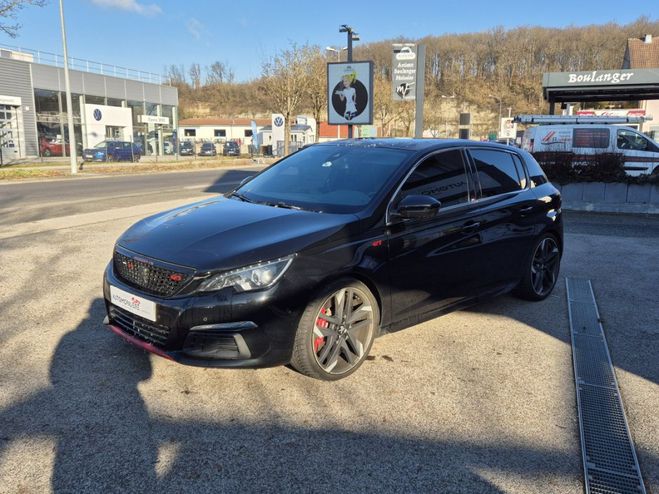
350 93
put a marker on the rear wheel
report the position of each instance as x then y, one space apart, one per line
336 331
541 273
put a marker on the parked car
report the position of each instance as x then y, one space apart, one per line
207 149
113 151
52 146
231 148
311 259
640 154
186 149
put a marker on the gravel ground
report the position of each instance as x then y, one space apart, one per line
480 400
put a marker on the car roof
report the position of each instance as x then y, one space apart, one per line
418 145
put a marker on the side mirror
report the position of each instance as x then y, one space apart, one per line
417 207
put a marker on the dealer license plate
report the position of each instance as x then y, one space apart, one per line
132 303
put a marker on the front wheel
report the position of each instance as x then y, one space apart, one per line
336 331
541 272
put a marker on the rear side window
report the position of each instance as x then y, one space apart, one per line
520 171
496 172
590 138
442 176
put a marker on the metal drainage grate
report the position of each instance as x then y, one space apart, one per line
609 458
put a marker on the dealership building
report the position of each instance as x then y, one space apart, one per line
107 103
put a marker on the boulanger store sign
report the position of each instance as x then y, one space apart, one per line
601 78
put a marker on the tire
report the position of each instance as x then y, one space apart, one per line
541 270
327 346
109 158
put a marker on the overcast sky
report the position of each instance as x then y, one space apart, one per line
149 34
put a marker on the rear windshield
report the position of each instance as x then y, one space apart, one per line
327 178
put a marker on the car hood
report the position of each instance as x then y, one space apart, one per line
223 233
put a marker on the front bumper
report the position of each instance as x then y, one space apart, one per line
220 329
93 157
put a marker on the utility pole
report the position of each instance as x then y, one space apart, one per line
352 36
420 90
73 151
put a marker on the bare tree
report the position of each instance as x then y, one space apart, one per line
175 75
195 75
317 85
9 10
285 79
383 103
219 73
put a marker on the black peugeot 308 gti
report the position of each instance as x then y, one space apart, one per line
311 259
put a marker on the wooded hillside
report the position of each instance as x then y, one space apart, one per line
474 72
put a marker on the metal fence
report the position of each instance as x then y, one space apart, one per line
47 58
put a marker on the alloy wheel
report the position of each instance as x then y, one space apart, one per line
544 267
343 330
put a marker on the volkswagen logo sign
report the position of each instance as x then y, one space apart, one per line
279 121
97 115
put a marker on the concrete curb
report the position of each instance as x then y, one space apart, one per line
603 197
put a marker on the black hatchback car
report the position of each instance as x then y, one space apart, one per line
186 148
231 148
207 149
311 259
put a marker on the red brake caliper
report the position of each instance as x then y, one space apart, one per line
321 323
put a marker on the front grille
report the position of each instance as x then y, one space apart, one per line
139 327
149 277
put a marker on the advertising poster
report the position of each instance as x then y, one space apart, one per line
403 75
350 93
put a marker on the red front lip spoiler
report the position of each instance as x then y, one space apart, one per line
139 343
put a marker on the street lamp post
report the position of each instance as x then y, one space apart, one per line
338 59
499 99
73 152
352 36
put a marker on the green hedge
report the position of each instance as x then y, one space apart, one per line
565 168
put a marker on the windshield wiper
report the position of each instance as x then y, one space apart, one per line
281 204
240 196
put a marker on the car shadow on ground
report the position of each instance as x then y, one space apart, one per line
106 439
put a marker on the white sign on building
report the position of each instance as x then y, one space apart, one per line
10 100
278 135
99 117
153 119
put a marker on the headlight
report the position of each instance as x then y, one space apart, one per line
255 277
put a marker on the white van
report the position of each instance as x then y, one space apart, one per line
640 154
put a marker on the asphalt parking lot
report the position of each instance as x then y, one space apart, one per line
480 400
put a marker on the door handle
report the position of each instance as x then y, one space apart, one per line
471 227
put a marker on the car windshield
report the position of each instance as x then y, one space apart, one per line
326 178
102 144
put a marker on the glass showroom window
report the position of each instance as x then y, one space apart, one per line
49 125
168 111
151 109
137 108
46 102
115 102
75 103
95 100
